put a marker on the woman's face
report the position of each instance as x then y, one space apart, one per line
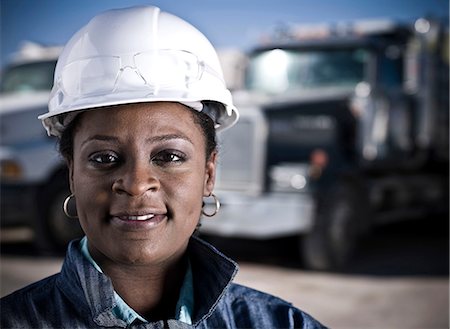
139 173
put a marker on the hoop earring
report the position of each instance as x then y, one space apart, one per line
217 203
65 205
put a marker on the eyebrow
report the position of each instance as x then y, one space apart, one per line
154 139
100 138
168 137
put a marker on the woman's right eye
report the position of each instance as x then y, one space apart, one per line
104 158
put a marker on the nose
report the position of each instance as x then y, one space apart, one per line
136 180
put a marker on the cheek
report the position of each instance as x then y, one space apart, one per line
186 198
92 196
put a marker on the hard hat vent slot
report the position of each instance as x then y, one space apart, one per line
60 97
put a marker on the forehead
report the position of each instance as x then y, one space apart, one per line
140 119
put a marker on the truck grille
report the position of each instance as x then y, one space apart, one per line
242 155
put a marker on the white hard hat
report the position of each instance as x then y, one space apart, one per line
135 55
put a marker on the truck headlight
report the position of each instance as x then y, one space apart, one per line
289 177
10 170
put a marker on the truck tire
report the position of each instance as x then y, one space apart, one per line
55 230
341 218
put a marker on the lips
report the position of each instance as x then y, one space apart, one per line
136 217
138 220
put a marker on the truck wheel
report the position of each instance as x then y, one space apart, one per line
56 230
339 222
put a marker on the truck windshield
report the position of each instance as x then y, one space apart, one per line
37 76
276 71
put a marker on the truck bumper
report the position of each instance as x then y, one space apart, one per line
262 217
17 205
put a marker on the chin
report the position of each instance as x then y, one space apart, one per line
141 255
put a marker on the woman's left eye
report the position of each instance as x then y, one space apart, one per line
168 157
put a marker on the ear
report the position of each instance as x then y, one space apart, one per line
210 174
70 167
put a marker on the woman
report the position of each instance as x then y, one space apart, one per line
138 96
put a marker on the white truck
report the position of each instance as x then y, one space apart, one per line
33 176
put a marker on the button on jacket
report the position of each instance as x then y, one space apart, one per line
82 297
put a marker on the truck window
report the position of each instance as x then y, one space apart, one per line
36 76
276 71
391 68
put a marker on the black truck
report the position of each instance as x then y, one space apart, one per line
342 127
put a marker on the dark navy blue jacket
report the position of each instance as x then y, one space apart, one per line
81 297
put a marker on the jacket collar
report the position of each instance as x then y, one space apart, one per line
213 273
88 288
93 291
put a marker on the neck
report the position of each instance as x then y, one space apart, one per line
151 290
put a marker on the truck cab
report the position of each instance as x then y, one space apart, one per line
34 180
342 128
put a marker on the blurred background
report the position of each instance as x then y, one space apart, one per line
334 183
